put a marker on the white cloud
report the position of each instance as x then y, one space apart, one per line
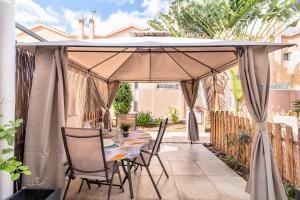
29 13
152 7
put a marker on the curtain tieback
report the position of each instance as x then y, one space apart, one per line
261 126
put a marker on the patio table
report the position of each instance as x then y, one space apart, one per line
130 150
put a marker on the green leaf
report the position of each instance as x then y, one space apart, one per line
17 163
11 159
6 151
24 168
10 168
15 177
19 121
26 173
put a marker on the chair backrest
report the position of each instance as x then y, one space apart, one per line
161 132
85 151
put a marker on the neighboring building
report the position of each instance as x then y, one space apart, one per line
285 74
53 34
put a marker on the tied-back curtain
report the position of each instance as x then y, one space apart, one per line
107 93
264 181
190 92
44 151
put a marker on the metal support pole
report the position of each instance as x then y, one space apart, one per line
7 79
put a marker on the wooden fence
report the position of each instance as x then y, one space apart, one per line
286 148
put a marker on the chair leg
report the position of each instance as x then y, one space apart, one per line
88 184
82 180
162 165
111 180
66 189
152 180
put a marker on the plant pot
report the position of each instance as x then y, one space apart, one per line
36 194
125 133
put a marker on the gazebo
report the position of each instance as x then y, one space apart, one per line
107 62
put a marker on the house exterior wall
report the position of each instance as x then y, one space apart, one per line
158 100
281 100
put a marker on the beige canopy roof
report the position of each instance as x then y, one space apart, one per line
152 59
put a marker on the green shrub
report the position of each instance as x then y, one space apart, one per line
158 120
123 100
144 118
289 190
173 115
9 163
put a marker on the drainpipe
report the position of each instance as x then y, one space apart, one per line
7 79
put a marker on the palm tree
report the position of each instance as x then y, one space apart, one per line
254 20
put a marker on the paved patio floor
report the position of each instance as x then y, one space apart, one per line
195 174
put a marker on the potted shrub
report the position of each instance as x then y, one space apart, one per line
125 128
122 106
15 168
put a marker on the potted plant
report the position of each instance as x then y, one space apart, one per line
122 105
10 164
125 128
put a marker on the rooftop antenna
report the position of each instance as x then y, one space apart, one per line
93 13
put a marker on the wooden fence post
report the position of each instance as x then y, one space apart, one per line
278 148
298 179
222 131
217 129
248 149
212 127
269 128
290 154
226 131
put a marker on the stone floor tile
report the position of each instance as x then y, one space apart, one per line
232 188
196 188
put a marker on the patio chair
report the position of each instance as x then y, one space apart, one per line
144 160
86 158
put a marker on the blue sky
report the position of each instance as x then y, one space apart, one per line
110 14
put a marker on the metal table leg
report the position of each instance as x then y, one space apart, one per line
129 178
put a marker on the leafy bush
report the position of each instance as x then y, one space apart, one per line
123 100
242 140
296 106
158 120
9 163
289 190
144 118
173 115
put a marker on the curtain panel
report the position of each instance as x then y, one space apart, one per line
190 92
107 93
44 151
264 181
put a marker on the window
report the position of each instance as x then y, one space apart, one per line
280 86
287 56
170 86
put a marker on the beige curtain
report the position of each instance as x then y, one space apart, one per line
264 181
190 92
107 93
44 151
77 82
